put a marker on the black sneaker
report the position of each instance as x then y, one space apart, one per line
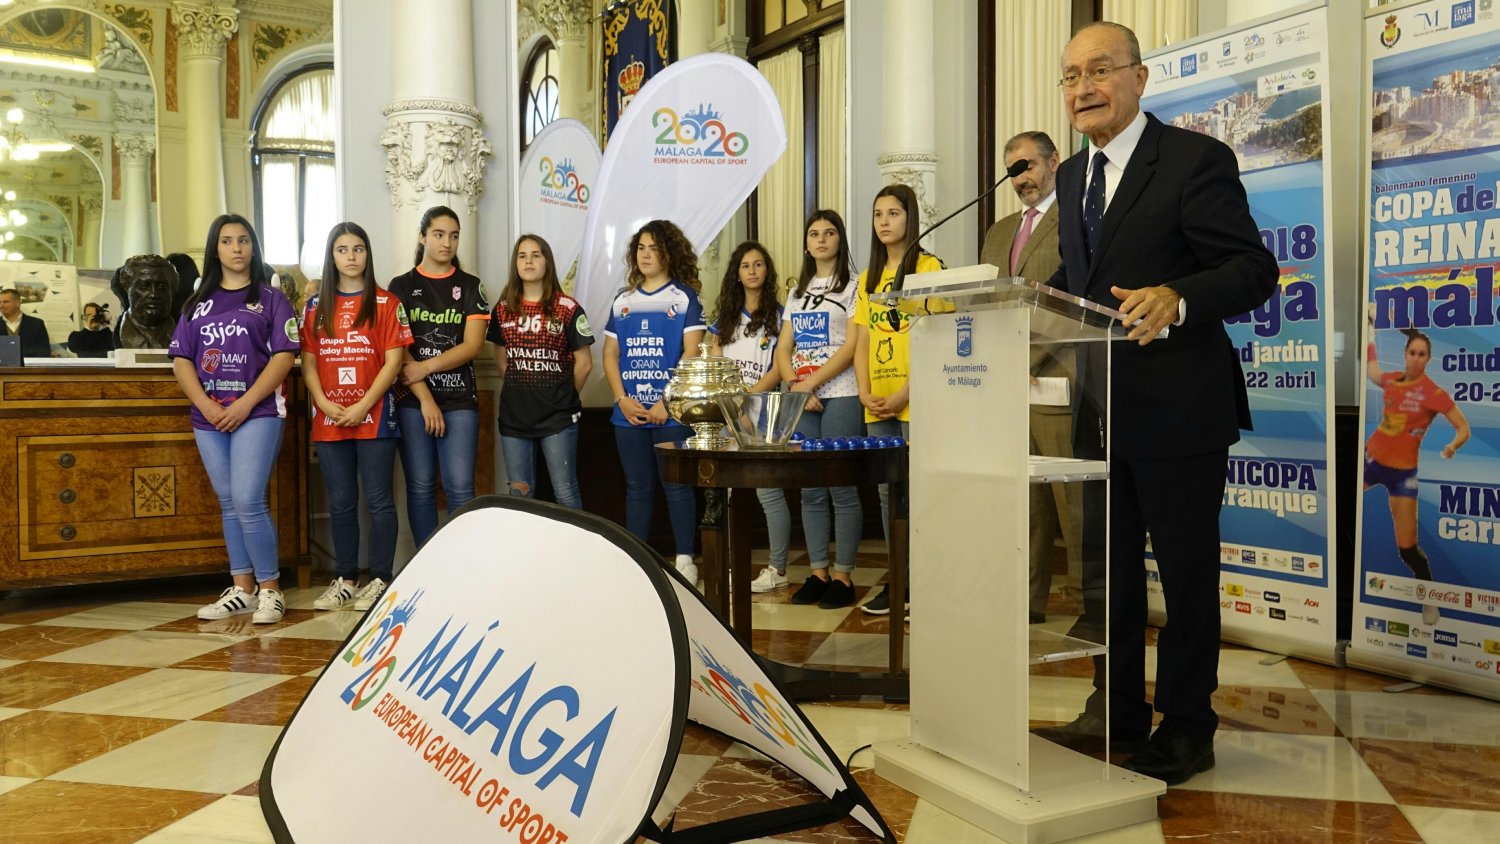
880 604
811 591
839 594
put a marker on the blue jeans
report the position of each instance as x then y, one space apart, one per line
890 428
840 417
421 456
778 525
347 466
239 467
560 450
638 459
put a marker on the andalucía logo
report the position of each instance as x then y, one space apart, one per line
698 137
522 747
561 185
760 707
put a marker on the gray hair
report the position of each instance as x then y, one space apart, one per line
1131 42
1042 140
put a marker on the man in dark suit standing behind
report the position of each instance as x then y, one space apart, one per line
1153 220
33 332
1025 244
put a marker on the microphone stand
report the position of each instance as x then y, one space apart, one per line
1016 169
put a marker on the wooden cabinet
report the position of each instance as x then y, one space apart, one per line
100 479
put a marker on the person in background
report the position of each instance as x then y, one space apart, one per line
745 328
654 323
232 349
354 338
439 409
881 336
1024 244
33 332
813 356
94 339
541 339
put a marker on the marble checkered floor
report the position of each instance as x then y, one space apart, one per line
124 718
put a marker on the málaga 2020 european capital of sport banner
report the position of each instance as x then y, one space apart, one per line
1427 596
1261 89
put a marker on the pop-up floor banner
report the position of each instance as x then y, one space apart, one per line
527 678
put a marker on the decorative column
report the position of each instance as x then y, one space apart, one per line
571 23
435 149
908 153
204 30
695 28
93 222
135 193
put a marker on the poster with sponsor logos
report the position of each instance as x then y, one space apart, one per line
488 697
1261 90
1427 596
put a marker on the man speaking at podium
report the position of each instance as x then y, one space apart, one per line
1153 220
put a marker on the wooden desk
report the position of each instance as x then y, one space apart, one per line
103 481
726 543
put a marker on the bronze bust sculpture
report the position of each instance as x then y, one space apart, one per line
146 284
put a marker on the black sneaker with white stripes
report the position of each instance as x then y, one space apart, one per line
232 601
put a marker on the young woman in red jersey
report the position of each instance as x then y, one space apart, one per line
1412 401
354 336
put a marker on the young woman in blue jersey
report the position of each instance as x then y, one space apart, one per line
439 415
541 339
655 322
814 355
746 326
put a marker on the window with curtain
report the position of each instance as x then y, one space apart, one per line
539 91
292 157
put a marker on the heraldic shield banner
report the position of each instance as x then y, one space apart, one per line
528 677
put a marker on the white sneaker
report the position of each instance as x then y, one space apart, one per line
371 593
769 580
687 569
1430 615
232 601
271 607
338 593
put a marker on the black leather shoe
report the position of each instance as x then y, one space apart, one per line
1173 757
1085 734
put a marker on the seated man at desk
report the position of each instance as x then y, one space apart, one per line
33 332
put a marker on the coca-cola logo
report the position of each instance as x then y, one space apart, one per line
1445 596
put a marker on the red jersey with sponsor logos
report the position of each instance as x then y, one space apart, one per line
539 397
349 361
1409 409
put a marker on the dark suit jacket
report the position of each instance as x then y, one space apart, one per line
33 334
1179 217
1038 261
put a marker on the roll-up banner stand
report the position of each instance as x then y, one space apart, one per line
527 678
558 175
1427 594
1261 89
690 148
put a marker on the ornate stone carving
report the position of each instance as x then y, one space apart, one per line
117 54
451 160
526 25
917 181
452 106
131 110
564 18
204 28
135 148
93 204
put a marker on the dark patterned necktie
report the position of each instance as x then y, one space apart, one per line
1093 203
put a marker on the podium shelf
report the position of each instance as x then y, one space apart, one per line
1049 646
1046 470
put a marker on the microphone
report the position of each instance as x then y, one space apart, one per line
1016 169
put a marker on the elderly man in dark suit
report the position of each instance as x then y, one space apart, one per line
1025 244
1153 220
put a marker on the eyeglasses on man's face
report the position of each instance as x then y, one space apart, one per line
1098 75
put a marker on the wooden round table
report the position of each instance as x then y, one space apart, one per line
726 543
